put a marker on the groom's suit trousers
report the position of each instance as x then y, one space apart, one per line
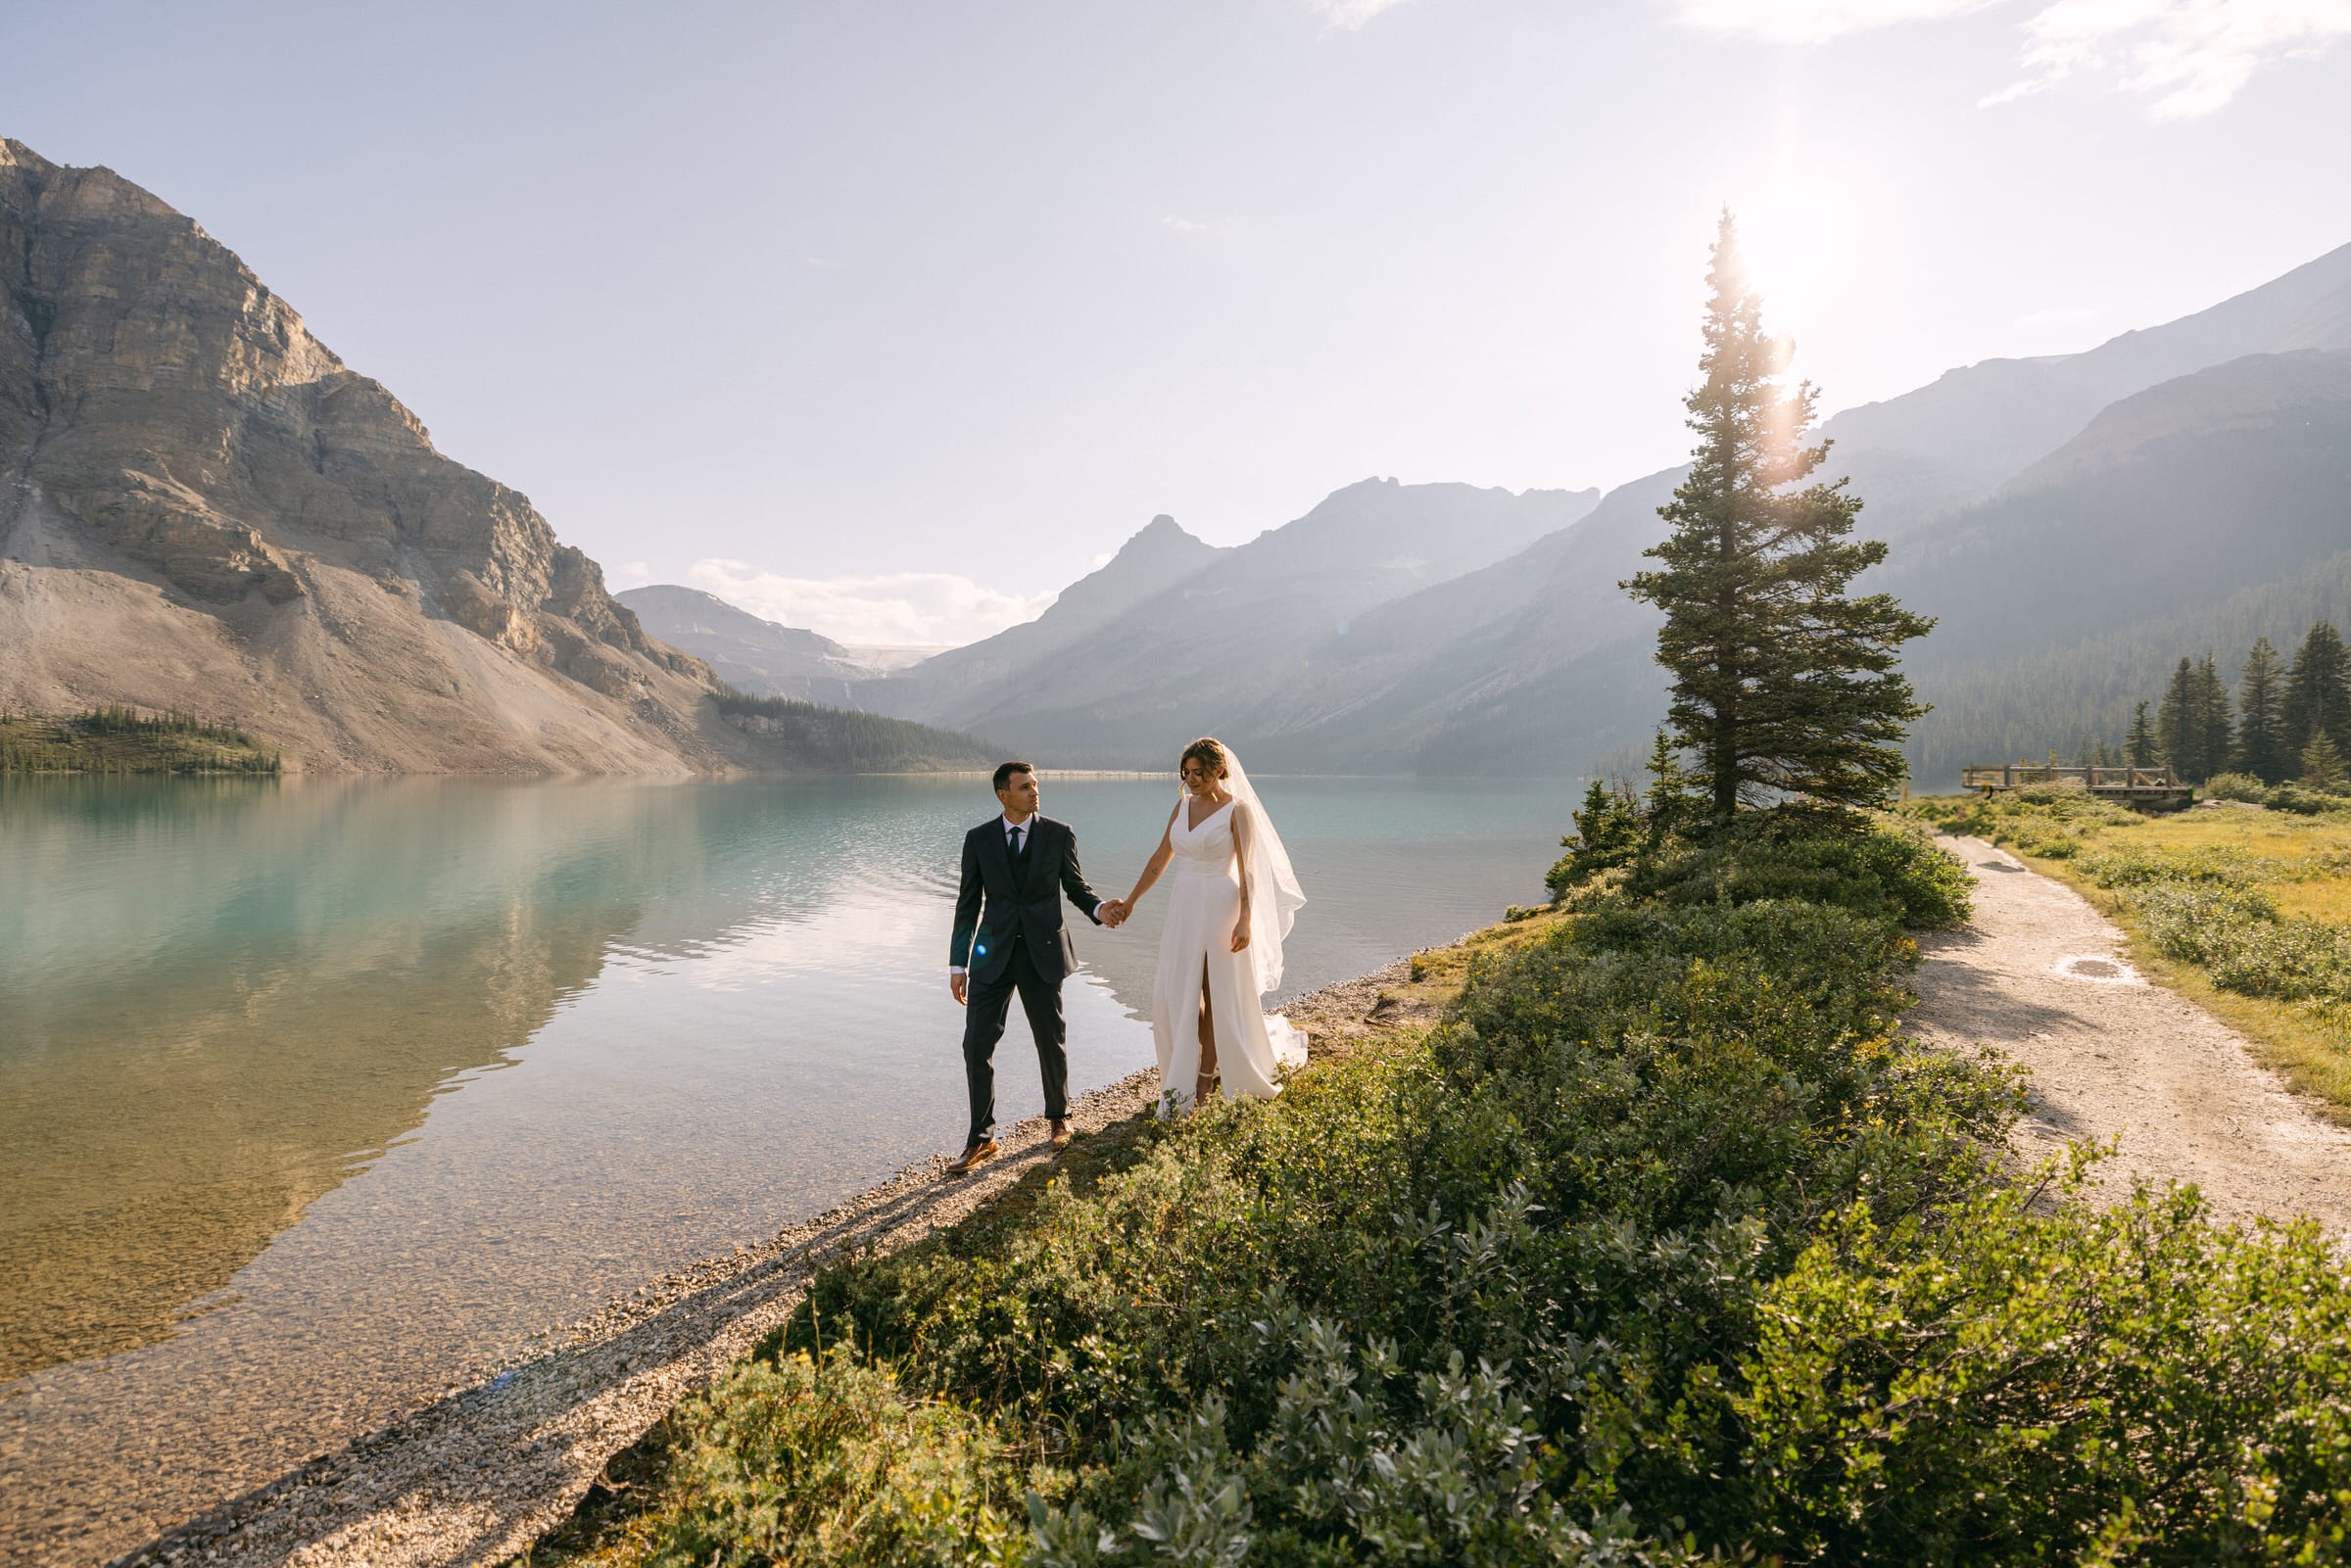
986 1006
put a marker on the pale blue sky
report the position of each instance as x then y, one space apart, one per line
893 318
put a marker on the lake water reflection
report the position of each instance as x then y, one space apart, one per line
317 1098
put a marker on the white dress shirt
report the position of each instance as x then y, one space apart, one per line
1022 828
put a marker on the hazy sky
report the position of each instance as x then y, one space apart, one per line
893 319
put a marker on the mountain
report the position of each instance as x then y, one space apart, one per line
2191 517
2036 505
974 679
754 655
206 510
1173 637
1973 429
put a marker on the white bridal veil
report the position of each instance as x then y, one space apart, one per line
1274 895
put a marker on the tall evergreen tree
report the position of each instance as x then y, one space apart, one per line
2178 735
1781 681
2260 747
2318 691
2140 747
2212 720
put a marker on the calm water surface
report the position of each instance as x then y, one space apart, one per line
318 1098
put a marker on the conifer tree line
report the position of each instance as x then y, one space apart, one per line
2286 722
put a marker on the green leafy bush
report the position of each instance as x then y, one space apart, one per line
2135 865
2237 936
2305 800
1890 872
1665 1245
809 1460
2050 821
2208 907
2236 786
2077 1384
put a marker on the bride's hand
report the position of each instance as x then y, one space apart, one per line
1240 931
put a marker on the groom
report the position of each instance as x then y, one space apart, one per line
1009 937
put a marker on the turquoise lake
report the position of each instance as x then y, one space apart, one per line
319 1098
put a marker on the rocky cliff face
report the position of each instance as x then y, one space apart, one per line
206 509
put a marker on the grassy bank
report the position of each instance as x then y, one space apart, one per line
1661 1246
2244 908
120 740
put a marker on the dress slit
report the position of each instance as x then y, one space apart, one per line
1198 969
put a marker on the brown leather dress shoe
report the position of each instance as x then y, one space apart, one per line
1061 1134
973 1157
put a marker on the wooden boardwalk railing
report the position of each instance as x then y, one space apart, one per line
2153 788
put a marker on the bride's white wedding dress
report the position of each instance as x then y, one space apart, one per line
1195 948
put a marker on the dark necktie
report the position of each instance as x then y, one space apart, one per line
1013 839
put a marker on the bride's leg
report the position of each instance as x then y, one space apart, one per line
1208 1043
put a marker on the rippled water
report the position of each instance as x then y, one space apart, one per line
317 1098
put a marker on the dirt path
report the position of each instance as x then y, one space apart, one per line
2041 975
483 1473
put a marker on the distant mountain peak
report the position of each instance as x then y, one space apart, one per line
682 609
1161 533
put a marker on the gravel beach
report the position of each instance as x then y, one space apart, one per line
480 1474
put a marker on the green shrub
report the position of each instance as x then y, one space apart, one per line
2050 822
2237 936
2134 867
798 1462
2243 787
2083 1384
1891 873
2306 800
1665 1242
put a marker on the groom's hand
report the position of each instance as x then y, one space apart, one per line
1113 913
958 983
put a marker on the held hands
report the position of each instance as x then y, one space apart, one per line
1114 912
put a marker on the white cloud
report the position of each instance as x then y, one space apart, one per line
2191 56
1811 20
1350 14
888 608
1184 225
633 571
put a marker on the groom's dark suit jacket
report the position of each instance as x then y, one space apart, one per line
998 899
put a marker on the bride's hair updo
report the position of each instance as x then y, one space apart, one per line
1208 752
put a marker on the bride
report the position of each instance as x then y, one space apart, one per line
1230 905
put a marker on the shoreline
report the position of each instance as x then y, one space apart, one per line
481 1473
